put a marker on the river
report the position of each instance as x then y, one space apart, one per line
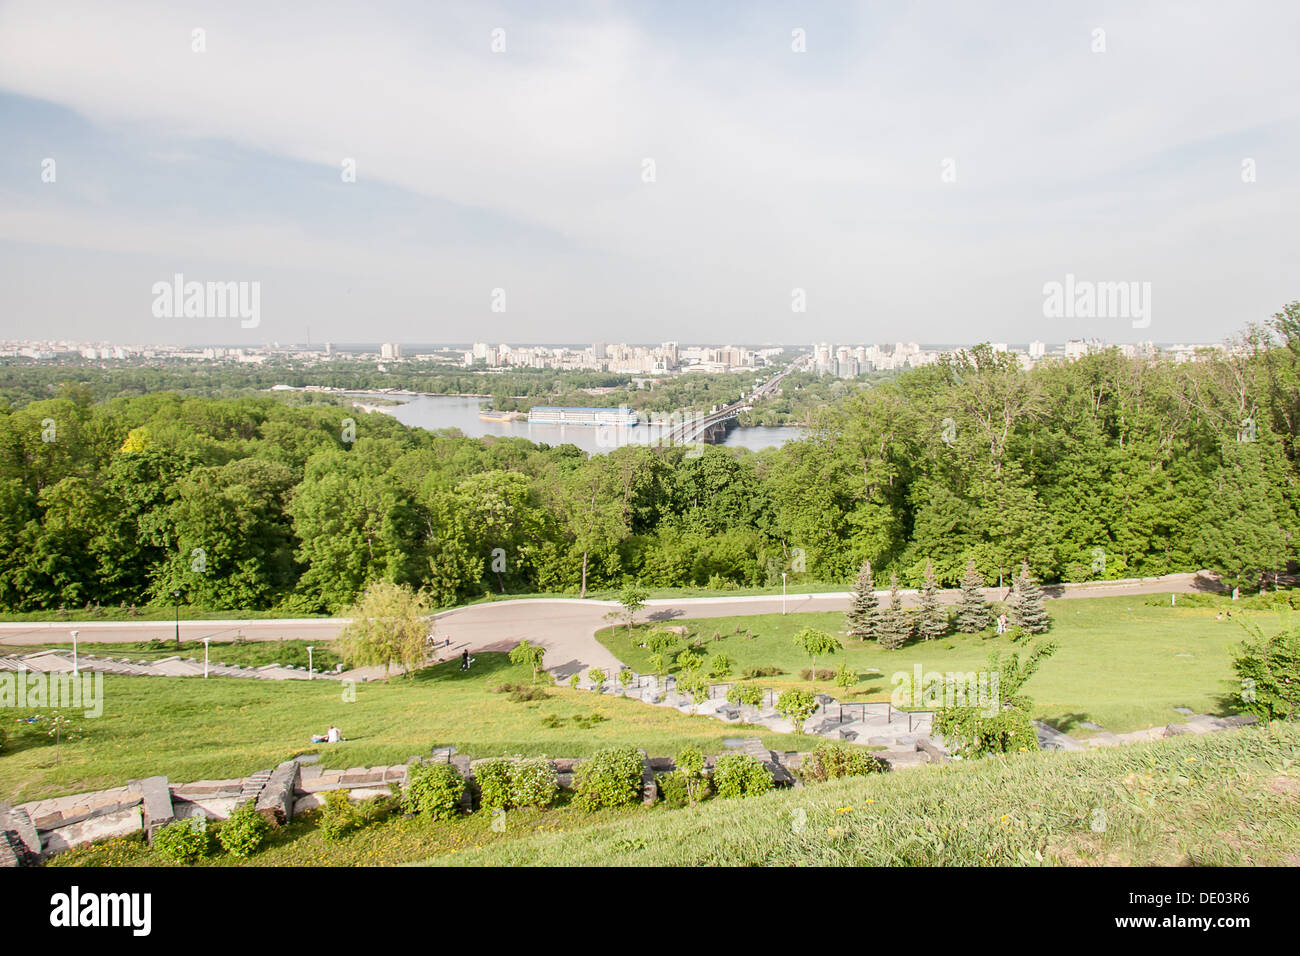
433 412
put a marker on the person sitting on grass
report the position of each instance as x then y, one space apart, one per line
333 736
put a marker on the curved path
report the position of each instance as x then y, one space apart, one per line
566 627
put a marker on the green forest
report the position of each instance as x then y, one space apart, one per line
1103 467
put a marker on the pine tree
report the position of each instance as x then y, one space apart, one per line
895 627
931 618
973 612
1026 604
862 614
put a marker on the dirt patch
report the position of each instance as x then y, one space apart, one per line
1285 785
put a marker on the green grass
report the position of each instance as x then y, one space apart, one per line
1226 799
1118 665
191 729
242 653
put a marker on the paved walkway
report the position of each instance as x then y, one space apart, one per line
566 627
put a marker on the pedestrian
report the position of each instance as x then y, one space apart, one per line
464 659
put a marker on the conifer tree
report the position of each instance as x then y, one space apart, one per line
895 627
973 611
931 618
862 616
1028 611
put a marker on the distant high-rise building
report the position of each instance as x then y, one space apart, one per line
390 350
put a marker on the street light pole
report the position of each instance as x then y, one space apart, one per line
310 669
74 653
176 602
205 657
783 592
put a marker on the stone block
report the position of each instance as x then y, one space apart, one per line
276 800
156 802
20 824
119 823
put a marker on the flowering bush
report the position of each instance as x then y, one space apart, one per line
533 783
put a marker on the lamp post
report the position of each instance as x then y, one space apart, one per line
176 602
783 592
205 657
310 669
74 653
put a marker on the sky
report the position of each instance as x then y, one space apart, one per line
702 172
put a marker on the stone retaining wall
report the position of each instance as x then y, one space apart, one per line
43 827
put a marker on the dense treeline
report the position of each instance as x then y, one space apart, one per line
517 389
1103 467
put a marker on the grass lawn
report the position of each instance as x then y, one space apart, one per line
190 729
1124 662
1225 799
242 653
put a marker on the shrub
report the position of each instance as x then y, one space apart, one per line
767 670
689 660
797 706
1270 676
184 841
503 784
661 642
822 673
611 778
434 789
740 775
829 761
340 816
521 692
4 735
533 783
720 665
377 808
845 676
244 831
573 681
675 789
493 779
750 694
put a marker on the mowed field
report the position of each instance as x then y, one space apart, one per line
1122 664
191 729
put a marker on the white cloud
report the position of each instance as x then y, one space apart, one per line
774 169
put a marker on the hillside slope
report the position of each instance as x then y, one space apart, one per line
1230 798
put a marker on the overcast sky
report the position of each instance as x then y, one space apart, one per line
525 170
